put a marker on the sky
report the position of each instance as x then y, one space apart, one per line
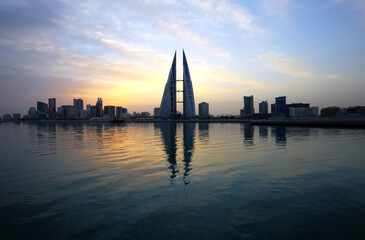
309 51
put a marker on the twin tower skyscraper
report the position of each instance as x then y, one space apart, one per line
169 98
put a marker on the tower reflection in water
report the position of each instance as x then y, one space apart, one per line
168 133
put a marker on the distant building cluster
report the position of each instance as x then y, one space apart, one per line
280 109
72 112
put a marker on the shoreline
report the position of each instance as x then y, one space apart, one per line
338 122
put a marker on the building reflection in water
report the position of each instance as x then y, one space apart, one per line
248 134
189 136
168 133
263 131
280 135
204 132
47 136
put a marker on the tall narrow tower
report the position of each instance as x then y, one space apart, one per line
168 102
189 102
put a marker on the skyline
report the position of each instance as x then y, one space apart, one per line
308 52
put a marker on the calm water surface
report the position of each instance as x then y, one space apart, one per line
180 181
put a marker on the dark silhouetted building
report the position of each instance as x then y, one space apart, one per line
109 111
280 105
16 116
79 108
52 107
295 105
42 107
7 117
156 111
331 111
78 104
93 111
273 109
99 108
263 107
88 109
203 109
355 111
303 112
32 111
145 114
248 109
67 112
118 112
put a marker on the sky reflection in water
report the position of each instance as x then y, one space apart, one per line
185 180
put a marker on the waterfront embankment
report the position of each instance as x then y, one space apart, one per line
343 123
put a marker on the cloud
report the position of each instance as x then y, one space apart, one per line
275 7
134 51
225 76
333 76
228 12
183 34
284 64
220 74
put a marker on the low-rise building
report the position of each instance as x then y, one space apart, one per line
109 111
67 112
156 111
16 116
303 112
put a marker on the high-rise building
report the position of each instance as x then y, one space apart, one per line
248 109
203 109
169 100
88 109
42 107
280 105
263 107
92 111
99 108
188 94
79 109
273 109
52 108
118 112
109 111
52 104
78 104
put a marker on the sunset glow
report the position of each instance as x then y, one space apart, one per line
121 51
